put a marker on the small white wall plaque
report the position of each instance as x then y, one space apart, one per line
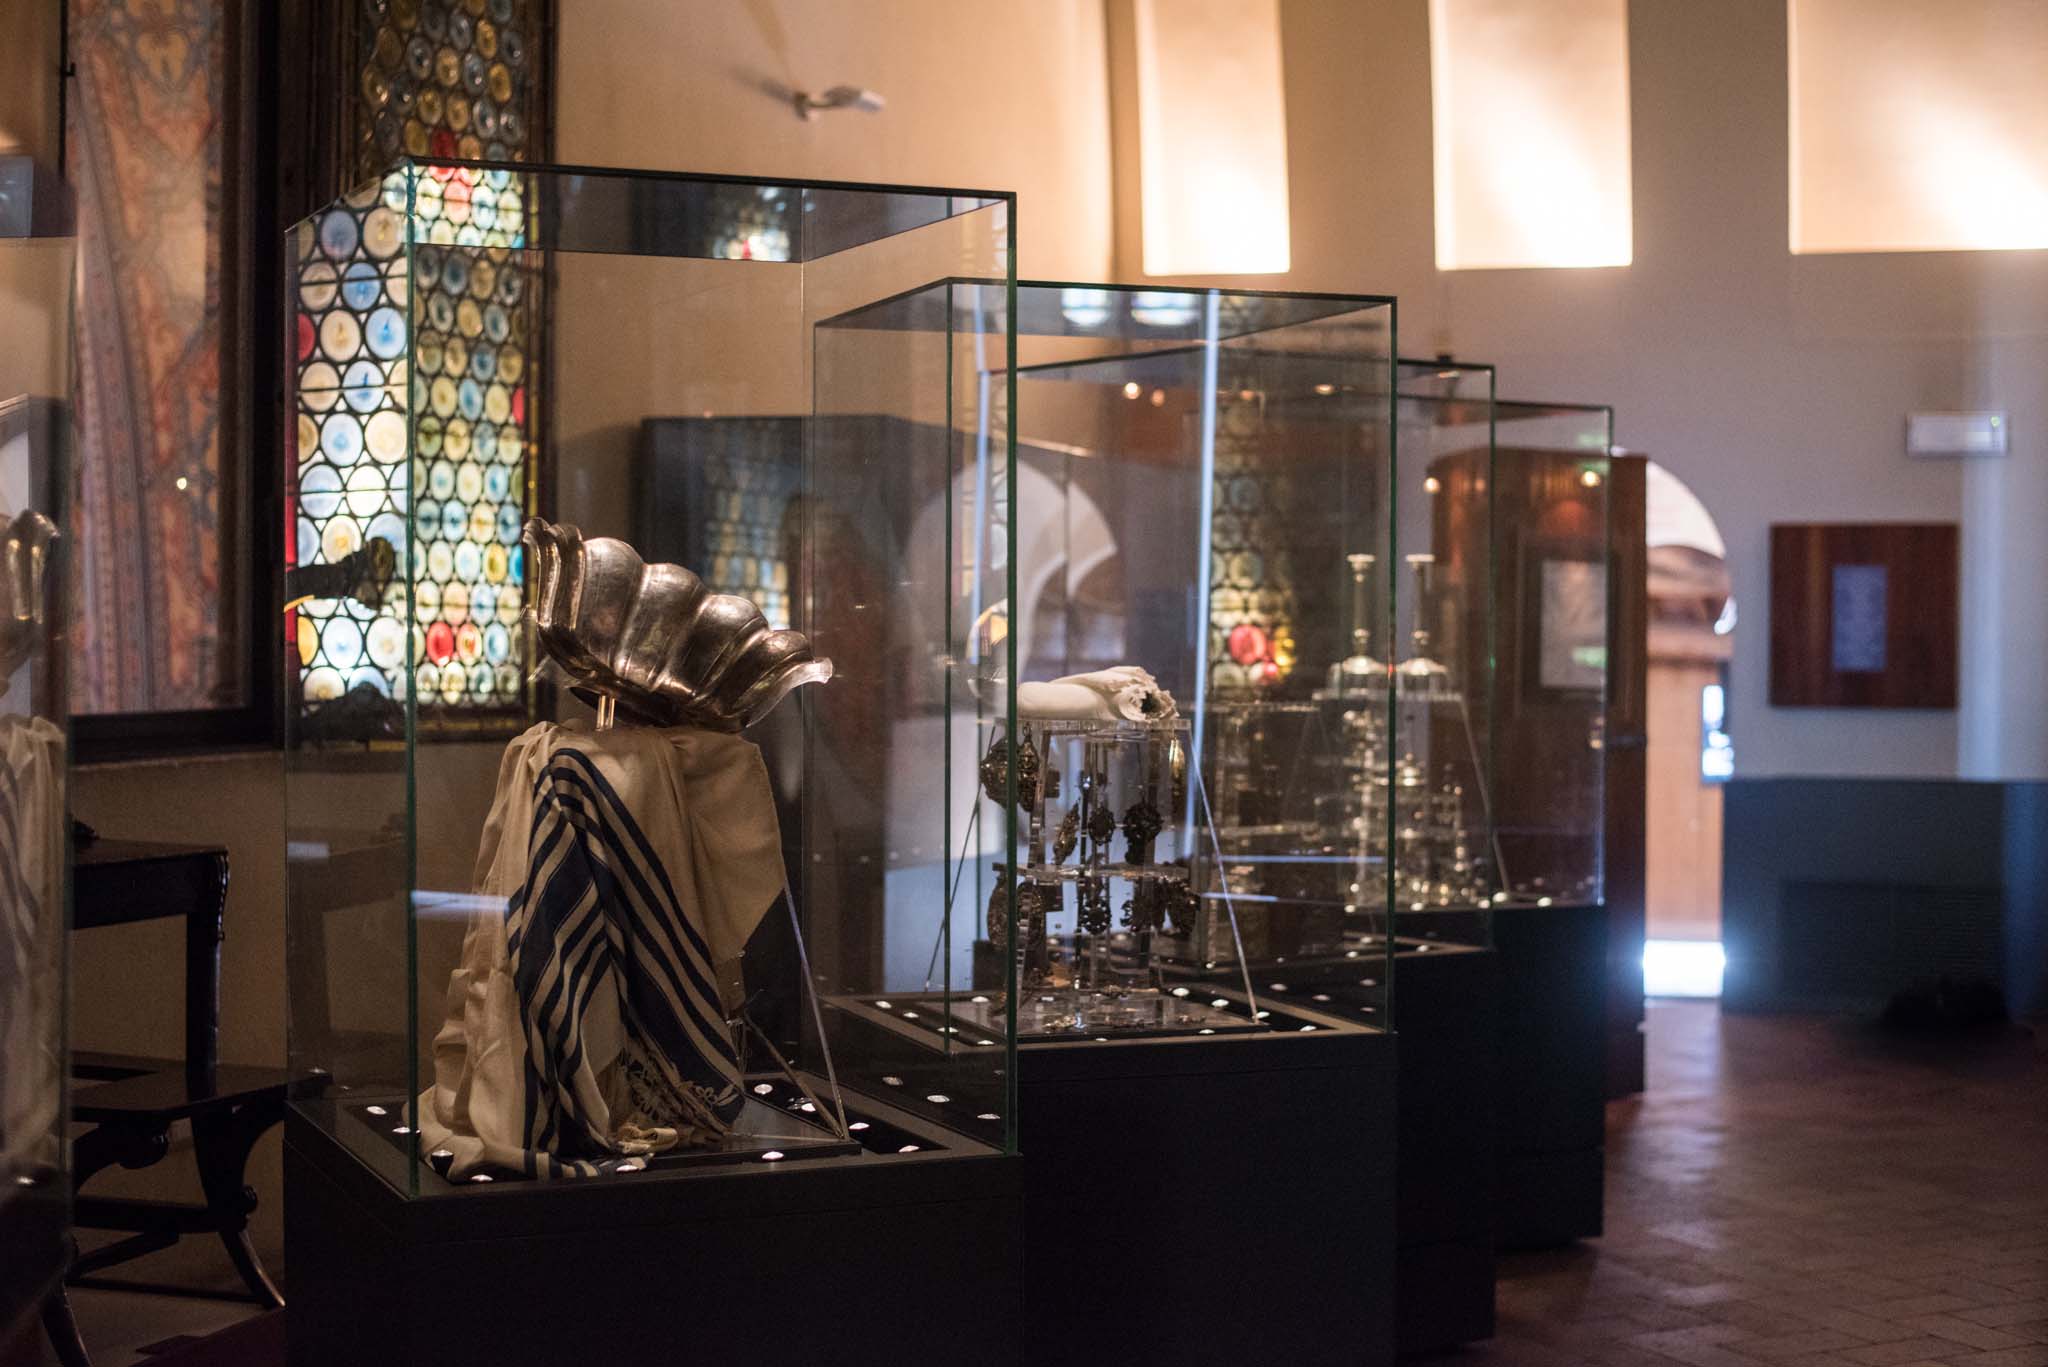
1946 436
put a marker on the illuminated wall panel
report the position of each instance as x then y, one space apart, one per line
1918 127
1212 135
1532 132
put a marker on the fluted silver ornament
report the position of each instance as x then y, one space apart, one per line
654 639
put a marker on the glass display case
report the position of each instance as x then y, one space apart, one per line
624 756
1486 786
1550 553
1512 549
1193 468
1205 492
1199 476
36 284
1199 473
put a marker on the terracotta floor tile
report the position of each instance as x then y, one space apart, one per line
1999 1316
2027 1355
1804 1191
1856 1324
1918 1349
1962 1331
1800 1345
1934 1303
1664 1340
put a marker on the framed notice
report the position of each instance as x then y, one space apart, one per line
1571 652
1863 614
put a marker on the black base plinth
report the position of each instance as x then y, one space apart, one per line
861 1258
1447 1039
1552 1098
1444 992
35 1231
1213 1199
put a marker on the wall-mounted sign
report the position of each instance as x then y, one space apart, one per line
1948 436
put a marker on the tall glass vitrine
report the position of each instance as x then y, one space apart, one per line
1198 475
612 769
1494 657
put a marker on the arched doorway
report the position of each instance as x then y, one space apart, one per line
1692 620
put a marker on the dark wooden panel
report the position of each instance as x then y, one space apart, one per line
1920 561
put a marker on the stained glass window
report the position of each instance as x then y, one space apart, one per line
444 451
461 474
752 224
720 495
448 78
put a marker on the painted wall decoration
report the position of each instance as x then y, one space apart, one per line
161 555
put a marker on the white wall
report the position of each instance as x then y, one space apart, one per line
981 95
1774 385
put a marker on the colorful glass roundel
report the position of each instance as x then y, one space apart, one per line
416 302
400 442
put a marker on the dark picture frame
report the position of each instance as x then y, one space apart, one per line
1864 614
249 412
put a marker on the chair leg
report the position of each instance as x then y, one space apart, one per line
221 1143
62 1329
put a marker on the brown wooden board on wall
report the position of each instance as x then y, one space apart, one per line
1863 614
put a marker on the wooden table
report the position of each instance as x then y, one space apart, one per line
133 1101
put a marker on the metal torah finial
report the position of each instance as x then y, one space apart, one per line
652 642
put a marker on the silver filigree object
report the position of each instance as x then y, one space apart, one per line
653 640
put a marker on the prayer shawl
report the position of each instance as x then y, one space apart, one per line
33 861
622 872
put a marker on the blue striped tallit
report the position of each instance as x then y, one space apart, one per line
618 879
597 914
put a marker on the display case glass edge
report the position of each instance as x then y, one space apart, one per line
1446 417
1185 371
38 279
1564 450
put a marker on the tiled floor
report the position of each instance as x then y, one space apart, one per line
118 1325
1809 1192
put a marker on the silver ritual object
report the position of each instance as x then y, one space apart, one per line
653 642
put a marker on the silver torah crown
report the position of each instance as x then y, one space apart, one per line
654 639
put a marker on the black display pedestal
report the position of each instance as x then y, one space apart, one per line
1221 1199
1447 1039
35 1234
869 1258
1552 1092
1446 1044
